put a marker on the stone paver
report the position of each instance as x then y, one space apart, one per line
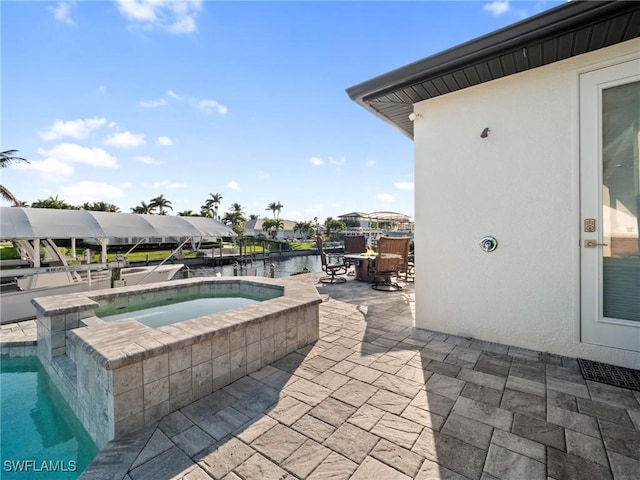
376 398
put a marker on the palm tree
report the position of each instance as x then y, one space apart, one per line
213 203
142 208
206 211
9 197
305 228
100 207
272 226
53 202
235 217
236 220
7 158
236 207
187 213
160 203
275 207
334 226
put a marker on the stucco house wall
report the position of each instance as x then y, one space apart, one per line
520 185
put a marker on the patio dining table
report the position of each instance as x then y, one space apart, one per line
364 265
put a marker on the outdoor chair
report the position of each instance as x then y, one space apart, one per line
392 260
354 244
332 265
411 268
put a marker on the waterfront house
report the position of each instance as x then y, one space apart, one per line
254 228
527 181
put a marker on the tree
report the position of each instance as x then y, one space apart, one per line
275 207
142 208
236 220
272 226
161 204
7 158
53 202
100 207
333 226
235 217
236 207
212 204
187 213
305 228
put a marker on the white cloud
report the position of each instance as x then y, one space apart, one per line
87 191
206 105
370 163
149 161
80 128
497 7
210 105
169 185
49 169
62 12
153 103
233 185
183 24
177 17
125 140
385 197
404 185
72 153
318 162
102 89
164 141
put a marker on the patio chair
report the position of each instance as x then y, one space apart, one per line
332 265
354 244
392 259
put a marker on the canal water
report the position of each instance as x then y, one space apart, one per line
283 267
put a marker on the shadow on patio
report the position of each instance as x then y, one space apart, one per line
376 398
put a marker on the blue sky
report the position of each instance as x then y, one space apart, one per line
121 101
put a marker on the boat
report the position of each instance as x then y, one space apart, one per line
43 269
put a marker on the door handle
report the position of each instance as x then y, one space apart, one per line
594 244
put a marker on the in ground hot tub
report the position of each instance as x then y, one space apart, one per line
120 376
165 308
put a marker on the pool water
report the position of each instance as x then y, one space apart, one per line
40 437
174 310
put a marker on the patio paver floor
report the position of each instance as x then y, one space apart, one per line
376 398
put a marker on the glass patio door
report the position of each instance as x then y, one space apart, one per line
610 201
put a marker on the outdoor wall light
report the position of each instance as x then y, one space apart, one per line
485 132
413 116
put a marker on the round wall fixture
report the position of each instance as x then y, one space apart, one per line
488 244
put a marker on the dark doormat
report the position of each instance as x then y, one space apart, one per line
611 374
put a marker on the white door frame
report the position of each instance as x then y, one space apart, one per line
595 328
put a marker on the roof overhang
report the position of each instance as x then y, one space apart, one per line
17 223
566 31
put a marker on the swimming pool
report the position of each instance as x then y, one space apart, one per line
41 436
